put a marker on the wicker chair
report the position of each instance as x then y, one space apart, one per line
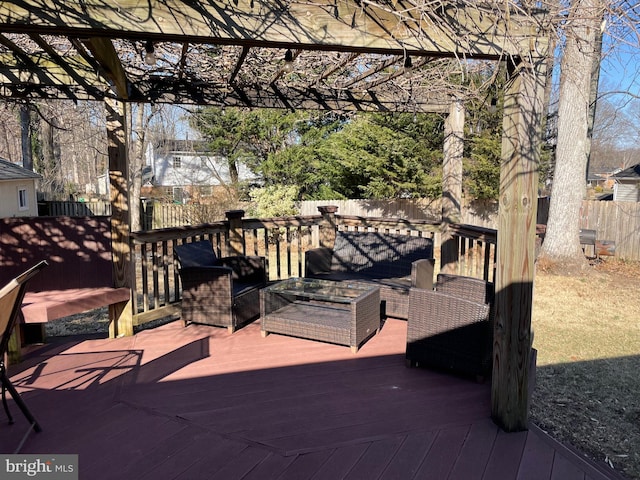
223 292
450 328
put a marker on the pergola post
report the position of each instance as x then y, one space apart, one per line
120 315
521 144
328 225
451 184
236 237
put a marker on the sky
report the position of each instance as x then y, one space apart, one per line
620 69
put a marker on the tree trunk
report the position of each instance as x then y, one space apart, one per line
25 124
562 244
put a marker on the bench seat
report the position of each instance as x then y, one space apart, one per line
41 307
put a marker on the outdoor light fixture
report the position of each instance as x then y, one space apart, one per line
288 61
493 105
150 53
408 64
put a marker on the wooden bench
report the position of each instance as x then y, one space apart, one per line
79 277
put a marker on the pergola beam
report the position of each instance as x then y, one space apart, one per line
296 99
105 54
446 30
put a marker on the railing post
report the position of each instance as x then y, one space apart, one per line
236 237
328 226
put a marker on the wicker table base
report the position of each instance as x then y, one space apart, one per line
334 312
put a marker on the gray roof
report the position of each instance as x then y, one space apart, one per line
631 173
12 171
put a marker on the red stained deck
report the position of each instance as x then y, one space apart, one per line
199 403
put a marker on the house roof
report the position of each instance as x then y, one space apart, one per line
631 173
197 146
12 171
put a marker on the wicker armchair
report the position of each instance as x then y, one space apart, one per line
223 292
450 328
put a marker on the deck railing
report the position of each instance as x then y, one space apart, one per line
283 242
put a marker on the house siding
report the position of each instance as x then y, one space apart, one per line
9 206
626 191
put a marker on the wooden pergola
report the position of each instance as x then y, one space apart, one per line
348 55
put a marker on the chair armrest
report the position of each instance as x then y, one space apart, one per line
474 289
434 313
246 268
317 260
422 273
218 278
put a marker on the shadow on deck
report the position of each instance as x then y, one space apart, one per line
196 402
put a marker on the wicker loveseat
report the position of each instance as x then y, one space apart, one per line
225 291
393 262
451 327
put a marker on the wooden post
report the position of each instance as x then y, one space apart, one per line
521 143
236 237
451 185
328 226
120 315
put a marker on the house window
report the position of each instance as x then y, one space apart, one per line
178 195
206 190
23 199
177 161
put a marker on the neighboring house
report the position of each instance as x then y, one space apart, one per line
17 191
185 171
627 186
602 179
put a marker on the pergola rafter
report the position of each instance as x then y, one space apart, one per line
229 33
231 53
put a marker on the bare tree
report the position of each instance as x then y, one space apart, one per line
562 243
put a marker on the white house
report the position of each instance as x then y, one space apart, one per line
17 191
185 169
627 186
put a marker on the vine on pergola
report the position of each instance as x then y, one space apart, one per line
365 55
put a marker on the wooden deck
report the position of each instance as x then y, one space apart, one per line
197 402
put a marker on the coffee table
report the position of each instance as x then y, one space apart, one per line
344 313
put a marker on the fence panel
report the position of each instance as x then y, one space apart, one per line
617 221
74 209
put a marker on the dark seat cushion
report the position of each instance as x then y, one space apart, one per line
240 288
378 255
196 254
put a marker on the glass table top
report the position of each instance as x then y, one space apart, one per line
321 289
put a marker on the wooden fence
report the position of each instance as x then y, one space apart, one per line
74 209
480 213
616 221
613 221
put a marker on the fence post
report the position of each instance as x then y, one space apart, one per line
236 237
328 226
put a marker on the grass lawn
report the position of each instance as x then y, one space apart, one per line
587 333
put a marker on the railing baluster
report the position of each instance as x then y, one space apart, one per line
156 286
145 279
165 268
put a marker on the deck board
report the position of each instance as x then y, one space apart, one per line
443 453
198 402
